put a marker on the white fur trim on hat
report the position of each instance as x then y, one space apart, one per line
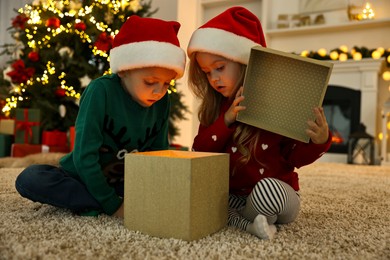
221 42
148 54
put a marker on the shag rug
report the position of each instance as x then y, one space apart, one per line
345 215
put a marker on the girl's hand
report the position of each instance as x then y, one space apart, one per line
231 113
318 130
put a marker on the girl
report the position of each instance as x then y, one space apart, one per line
263 183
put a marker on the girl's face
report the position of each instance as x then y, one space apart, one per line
222 74
147 85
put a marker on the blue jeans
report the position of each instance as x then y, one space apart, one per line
52 185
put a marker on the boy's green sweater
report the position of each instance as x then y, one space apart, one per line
109 125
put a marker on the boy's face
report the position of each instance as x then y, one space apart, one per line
147 85
222 74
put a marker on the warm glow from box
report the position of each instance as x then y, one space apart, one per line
176 154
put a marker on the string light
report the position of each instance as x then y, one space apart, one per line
367 12
357 56
343 57
334 55
386 75
376 55
322 52
341 54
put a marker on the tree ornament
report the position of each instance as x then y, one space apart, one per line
60 92
33 56
104 42
14 89
75 5
20 74
53 22
59 5
66 52
19 21
62 110
84 81
80 26
5 74
135 6
108 17
17 50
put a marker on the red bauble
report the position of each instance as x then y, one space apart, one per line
53 22
80 26
19 21
60 92
104 42
19 73
33 56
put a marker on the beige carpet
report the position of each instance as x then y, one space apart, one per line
345 215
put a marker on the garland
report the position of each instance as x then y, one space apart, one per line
342 54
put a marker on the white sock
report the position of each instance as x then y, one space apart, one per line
261 228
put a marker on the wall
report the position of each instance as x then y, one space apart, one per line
331 36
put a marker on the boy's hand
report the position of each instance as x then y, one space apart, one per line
231 114
119 213
318 130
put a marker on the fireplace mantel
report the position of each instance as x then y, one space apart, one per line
360 75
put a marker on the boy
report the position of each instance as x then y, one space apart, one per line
119 113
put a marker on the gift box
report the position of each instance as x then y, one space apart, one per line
176 194
54 138
5 144
27 126
294 86
7 126
21 150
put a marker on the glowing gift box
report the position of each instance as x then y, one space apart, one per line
176 194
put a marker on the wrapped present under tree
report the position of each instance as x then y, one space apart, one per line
28 126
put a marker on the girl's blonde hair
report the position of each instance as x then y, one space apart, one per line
245 136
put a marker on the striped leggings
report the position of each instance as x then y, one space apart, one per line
274 199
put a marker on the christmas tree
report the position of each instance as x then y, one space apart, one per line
59 47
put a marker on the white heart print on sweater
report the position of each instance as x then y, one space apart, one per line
214 137
264 146
234 149
261 171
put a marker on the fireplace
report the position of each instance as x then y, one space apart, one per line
348 80
342 110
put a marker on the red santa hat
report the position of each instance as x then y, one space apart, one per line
147 42
231 34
